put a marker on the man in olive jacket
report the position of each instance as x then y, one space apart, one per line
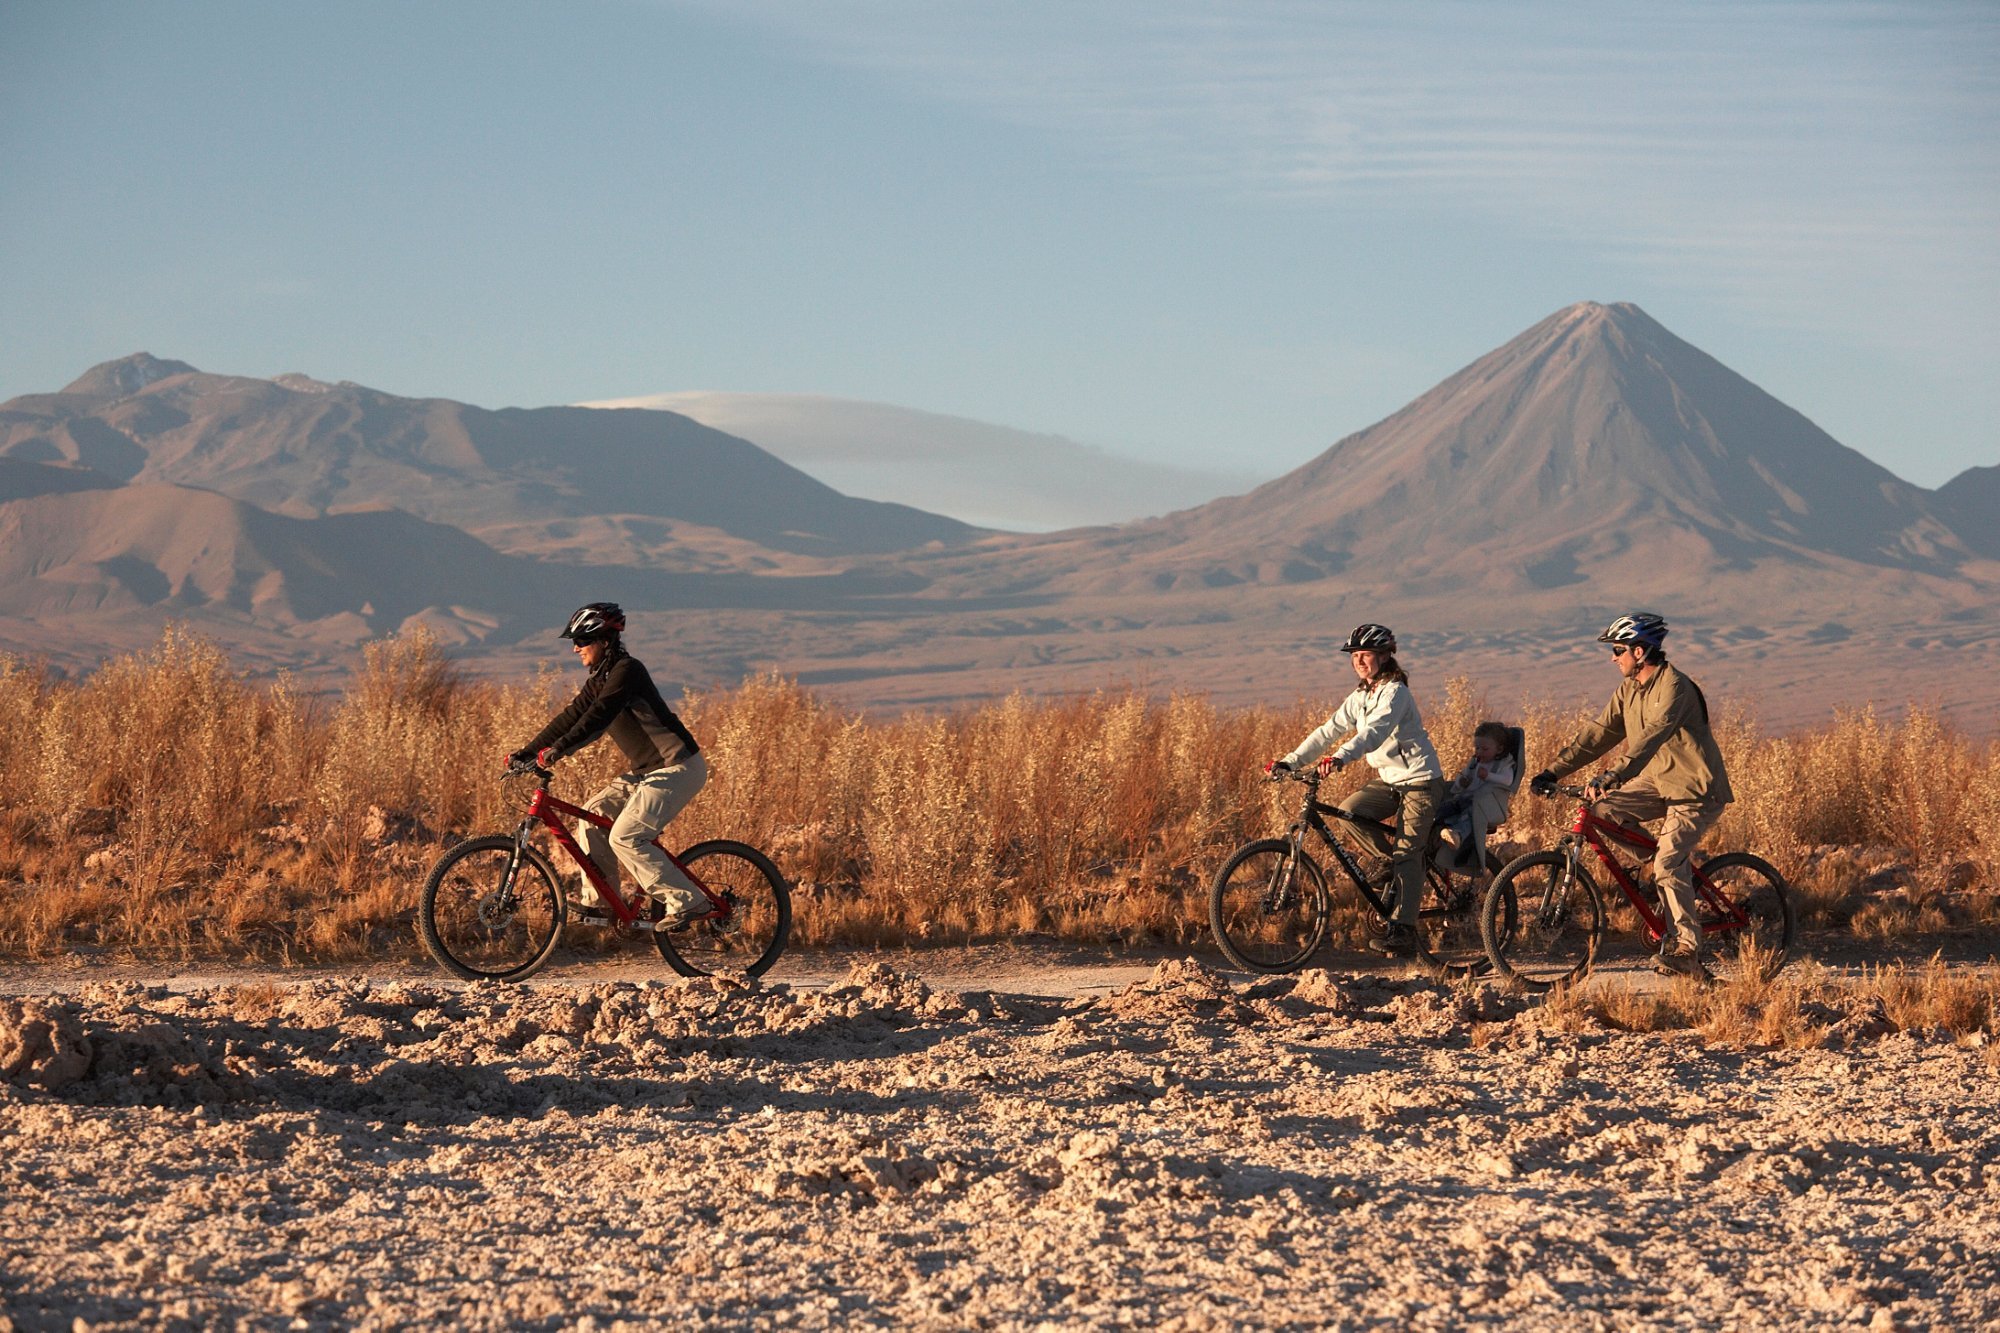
1670 774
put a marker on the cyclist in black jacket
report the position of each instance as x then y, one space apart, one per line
665 770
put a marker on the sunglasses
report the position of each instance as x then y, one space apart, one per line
1619 650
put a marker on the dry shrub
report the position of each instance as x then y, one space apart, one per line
1904 913
1832 891
1797 1008
165 805
1957 1000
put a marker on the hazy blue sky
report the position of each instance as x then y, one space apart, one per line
1170 228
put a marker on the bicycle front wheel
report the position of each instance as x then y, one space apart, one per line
1750 885
1268 907
488 915
1542 921
749 939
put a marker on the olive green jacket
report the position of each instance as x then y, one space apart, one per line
1664 725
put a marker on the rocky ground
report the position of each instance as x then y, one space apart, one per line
1183 1152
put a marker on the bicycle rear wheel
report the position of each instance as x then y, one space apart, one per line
1542 921
1753 887
487 916
1268 907
1449 938
752 936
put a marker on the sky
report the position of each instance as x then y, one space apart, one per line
1206 234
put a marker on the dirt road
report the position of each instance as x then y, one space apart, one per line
1149 1146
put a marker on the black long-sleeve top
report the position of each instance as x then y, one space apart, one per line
620 698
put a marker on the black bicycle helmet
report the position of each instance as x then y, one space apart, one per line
1376 638
1642 627
594 621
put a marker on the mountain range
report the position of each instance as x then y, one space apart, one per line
1593 464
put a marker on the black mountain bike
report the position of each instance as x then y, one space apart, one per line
1270 905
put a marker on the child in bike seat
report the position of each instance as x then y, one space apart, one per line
1482 793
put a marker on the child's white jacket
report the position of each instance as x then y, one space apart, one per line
1388 732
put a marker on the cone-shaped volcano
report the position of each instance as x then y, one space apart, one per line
1595 442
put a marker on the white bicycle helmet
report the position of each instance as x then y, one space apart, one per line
1641 627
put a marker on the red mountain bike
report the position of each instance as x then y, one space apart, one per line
493 908
1543 917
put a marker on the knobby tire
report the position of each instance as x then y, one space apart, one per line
1531 946
1754 886
1260 924
469 929
749 942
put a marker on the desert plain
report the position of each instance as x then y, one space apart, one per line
1173 1148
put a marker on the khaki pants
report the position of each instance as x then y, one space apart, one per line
1680 826
644 803
1415 807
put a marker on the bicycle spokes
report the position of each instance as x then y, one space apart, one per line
490 910
1268 907
1747 918
752 919
1542 920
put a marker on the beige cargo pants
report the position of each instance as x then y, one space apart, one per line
643 804
1679 826
1415 807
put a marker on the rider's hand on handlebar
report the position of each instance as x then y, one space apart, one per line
1598 784
546 757
1277 768
1328 764
1543 783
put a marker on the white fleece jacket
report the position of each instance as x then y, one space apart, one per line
1388 732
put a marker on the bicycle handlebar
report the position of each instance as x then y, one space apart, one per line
1555 789
518 768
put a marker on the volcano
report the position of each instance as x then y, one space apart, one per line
1596 447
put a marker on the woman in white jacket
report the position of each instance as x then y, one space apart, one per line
1408 782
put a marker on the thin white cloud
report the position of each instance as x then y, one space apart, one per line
1802 161
990 475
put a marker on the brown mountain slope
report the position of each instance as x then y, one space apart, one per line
89 572
1972 499
190 553
22 480
298 446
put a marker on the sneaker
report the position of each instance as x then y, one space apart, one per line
1399 941
1681 963
587 907
679 909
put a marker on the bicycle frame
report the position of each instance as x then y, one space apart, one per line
549 812
1593 830
1313 816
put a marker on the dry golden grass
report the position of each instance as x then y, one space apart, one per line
1935 996
167 807
1800 1007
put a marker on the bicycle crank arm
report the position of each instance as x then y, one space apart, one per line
602 918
